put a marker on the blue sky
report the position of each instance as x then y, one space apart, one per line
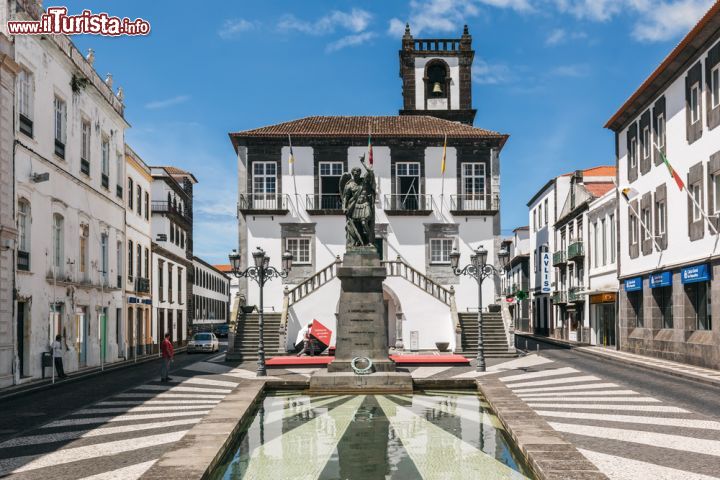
547 72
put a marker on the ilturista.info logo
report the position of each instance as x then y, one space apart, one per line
56 21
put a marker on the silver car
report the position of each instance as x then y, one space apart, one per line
203 342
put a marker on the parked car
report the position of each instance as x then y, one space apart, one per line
222 330
203 342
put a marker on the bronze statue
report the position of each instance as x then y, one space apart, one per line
358 203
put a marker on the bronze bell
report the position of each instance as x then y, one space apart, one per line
437 88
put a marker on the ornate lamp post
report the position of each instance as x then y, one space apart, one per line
478 269
261 272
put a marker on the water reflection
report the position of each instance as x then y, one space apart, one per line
429 434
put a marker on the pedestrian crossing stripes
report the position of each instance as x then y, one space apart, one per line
148 419
626 433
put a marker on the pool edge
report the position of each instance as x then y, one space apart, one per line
545 451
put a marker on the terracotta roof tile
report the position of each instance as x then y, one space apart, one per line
600 171
379 126
225 268
598 189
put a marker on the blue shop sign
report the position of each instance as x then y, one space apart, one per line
633 284
697 273
662 279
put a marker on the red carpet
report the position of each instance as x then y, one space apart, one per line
321 360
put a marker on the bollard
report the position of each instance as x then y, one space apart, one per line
526 346
537 347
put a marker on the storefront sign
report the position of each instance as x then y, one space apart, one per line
546 286
633 284
697 273
662 279
603 298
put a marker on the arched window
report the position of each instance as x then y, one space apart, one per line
23 261
437 74
58 236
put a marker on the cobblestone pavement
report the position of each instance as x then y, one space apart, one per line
120 436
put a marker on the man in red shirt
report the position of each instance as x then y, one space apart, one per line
167 356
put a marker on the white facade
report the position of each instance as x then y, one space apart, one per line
169 297
138 337
403 236
73 223
211 294
601 278
517 278
9 354
453 67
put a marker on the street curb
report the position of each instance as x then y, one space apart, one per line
548 455
582 348
41 385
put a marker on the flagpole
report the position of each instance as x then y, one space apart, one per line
642 224
291 167
692 197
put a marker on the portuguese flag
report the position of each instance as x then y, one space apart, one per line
672 171
370 154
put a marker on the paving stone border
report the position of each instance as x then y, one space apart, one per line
546 452
197 453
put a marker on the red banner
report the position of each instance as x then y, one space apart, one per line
321 332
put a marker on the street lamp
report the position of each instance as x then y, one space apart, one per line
261 272
478 269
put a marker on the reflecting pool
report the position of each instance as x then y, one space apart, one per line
426 435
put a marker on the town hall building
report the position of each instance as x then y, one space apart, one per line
423 210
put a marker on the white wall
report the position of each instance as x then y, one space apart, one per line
420 62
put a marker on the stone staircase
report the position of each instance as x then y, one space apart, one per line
495 339
247 335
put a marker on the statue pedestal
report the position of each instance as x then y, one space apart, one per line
361 323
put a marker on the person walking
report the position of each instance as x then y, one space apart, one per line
168 353
57 356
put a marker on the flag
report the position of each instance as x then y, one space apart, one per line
291 159
442 163
629 193
370 154
672 171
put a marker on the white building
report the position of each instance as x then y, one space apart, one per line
211 294
9 341
171 224
669 254
69 162
138 338
516 281
421 214
601 281
571 248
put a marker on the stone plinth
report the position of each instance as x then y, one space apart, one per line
361 324
339 382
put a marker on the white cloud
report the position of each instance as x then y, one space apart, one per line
168 102
437 15
556 37
232 28
574 71
668 20
350 41
484 73
357 20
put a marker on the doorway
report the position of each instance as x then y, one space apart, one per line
20 330
605 315
380 247
330 173
82 327
407 186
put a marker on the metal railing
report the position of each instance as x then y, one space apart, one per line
263 201
401 202
323 201
398 268
576 250
142 285
575 294
559 258
559 297
474 202
23 261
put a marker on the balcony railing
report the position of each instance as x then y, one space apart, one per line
575 294
412 204
324 203
142 285
163 206
263 202
576 250
559 297
474 203
23 261
559 258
